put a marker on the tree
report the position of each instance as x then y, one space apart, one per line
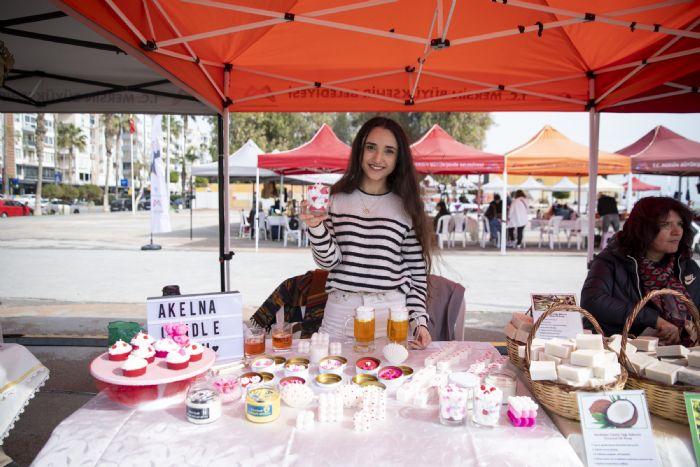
174 130
90 193
123 122
110 123
70 137
52 191
69 193
40 134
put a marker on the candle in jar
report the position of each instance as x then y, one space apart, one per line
262 404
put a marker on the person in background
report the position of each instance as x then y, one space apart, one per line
375 238
652 252
441 211
607 210
493 214
517 219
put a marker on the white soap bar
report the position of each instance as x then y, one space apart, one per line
662 372
682 361
536 352
630 349
510 331
586 357
557 348
694 359
672 351
589 342
573 383
539 341
578 374
550 358
522 321
610 356
646 343
689 376
521 351
607 371
640 361
543 371
521 335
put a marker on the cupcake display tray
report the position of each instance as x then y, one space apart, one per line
108 371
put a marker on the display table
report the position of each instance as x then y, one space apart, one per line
106 433
673 443
21 376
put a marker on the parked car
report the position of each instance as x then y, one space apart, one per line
120 204
11 207
56 206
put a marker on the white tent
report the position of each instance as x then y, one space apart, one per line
565 184
496 184
464 182
430 181
531 184
604 184
242 164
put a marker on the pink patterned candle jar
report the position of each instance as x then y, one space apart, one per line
332 364
318 197
367 365
391 376
453 405
487 406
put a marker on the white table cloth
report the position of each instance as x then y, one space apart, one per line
106 433
21 376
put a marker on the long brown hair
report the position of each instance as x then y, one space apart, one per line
403 181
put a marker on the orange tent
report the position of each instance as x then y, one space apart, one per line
551 153
388 55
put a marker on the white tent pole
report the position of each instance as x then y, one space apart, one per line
629 193
594 128
256 202
504 207
131 154
227 220
578 197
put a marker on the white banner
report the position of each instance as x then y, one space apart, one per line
160 196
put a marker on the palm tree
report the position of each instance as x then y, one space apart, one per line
9 152
110 122
39 134
175 128
123 126
70 137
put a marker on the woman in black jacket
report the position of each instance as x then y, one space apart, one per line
653 251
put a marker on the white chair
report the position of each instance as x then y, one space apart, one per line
460 231
244 227
551 230
291 233
443 231
579 232
262 224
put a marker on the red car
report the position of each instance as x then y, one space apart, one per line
10 207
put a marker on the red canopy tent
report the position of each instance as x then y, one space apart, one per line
638 185
439 153
663 152
324 152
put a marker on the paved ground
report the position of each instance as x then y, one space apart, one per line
71 275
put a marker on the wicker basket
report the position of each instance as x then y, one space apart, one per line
664 400
561 398
512 346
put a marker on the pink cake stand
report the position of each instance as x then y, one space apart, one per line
158 387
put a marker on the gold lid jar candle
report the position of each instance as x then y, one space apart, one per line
262 403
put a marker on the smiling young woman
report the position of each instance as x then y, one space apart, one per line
653 251
375 238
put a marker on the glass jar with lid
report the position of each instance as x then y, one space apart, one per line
203 402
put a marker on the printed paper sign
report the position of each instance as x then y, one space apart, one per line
215 320
563 324
616 429
692 406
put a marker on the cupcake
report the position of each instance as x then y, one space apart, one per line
148 353
142 338
119 351
196 351
178 360
134 366
163 346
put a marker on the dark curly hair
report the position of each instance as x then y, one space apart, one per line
644 224
403 181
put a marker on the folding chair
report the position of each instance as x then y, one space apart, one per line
443 231
460 231
244 227
291 233
551 230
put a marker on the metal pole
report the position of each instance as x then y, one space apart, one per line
191 199
220 161
594 128
131 154
227 221
256 201
629 193
504 212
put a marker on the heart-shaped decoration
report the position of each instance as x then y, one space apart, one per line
314 198
215 347
324 190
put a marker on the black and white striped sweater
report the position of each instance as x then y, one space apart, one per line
373 253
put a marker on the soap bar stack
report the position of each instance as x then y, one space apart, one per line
669 364
519 328
582 362
522 411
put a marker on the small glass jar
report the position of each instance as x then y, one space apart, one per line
487 406
465 380
505 381
262 403
453 405
203 403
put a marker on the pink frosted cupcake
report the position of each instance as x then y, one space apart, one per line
178 360
164 346
141 339
145 352
119 351
134 366
196 351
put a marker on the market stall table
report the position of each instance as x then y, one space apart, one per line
104 432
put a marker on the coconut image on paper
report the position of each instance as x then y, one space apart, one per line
614 412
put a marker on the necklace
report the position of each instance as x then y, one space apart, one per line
367 209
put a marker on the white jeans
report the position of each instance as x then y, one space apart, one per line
340 309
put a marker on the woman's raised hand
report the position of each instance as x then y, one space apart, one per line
668 333
422 338
311 218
